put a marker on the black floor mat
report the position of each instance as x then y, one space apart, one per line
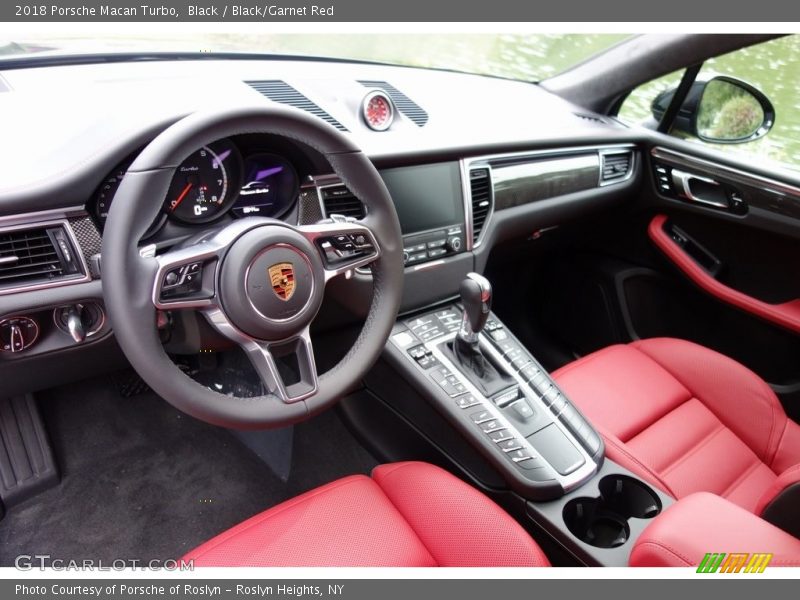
140 480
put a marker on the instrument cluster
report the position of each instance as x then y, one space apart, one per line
215 180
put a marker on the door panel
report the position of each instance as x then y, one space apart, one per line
703 268
737 258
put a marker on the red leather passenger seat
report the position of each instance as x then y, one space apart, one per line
687 419
407 514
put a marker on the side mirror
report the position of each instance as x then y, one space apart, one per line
721 110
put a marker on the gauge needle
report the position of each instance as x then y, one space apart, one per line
181 196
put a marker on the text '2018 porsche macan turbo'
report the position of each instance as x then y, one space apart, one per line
272 310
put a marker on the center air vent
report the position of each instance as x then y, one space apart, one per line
480 184
404 104
35 256
616 165
338 200
283 93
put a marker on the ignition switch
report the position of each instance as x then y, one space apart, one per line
79 320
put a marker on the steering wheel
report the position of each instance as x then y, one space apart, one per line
258 281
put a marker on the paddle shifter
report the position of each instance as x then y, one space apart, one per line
464 350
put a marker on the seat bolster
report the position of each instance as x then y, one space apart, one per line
458 525
788 453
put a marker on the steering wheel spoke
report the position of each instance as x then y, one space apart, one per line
343 245
286 367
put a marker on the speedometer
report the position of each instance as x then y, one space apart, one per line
204 184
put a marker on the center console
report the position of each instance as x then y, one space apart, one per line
473 370
516 415
472 394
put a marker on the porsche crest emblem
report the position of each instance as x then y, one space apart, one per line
281 277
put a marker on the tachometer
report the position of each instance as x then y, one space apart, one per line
203 185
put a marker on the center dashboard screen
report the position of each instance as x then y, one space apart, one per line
426 197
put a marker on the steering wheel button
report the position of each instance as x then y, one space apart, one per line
360 240
171 278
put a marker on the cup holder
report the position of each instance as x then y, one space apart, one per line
629 497
603 522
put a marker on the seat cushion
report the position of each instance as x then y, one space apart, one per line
686 418
408 514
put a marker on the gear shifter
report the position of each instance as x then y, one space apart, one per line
476 296
464 350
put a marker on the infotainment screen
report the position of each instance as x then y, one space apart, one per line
426 196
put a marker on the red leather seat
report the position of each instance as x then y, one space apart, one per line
688 420
407 514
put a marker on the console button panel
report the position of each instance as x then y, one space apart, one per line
515 422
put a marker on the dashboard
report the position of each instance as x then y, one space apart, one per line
464 177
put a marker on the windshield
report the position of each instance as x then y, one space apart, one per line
530 57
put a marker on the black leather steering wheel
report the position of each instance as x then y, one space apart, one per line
258 281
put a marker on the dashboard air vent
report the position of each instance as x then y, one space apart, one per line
35 256
404 104
338 200
616 165
480 185
283 93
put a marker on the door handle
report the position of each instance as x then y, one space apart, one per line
707 191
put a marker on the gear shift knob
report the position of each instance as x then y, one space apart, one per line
476 296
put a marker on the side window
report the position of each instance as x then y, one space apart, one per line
773 68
